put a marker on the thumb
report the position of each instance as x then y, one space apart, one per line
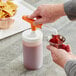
34 14
39 21
52 49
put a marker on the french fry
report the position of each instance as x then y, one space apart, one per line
7 9
1 14
12 5
2 4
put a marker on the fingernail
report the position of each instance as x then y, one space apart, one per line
28 16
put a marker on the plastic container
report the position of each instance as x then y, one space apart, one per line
6 23
59 42
32 49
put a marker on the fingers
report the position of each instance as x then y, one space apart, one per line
39 21
52 49
34 14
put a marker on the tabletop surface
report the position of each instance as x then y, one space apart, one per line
11 52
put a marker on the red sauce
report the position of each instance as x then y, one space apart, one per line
58 42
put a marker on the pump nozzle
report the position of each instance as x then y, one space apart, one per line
31 21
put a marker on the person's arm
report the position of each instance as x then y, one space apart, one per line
66 60
70 68
70 9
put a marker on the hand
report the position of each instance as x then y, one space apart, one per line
60 56
48 13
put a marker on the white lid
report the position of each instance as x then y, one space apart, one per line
32 36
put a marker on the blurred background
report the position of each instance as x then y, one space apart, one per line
36 3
